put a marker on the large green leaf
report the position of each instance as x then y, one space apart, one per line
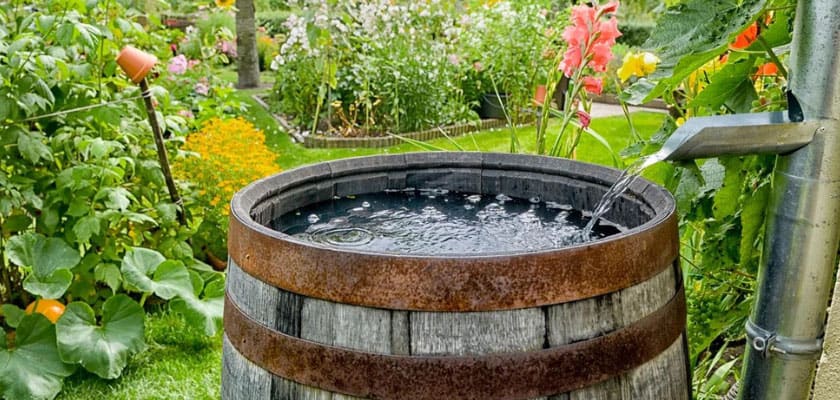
148 271
44 255
108 274
694 32
103 348
752 219
51 286
32 368
32 147
725 84
12 314
726 198
205 311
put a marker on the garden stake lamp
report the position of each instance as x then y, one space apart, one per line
787 324
137 65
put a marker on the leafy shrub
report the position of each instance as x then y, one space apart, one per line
83 200
273 21
635 33
230 154
371 66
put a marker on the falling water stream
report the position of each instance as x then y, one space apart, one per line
619 187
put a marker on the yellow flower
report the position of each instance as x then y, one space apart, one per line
225 3
638 65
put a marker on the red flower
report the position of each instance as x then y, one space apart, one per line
571 60
769 69
747 37
593 85
584 119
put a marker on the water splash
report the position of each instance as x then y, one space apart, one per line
619 187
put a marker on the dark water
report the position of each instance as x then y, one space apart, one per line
435 222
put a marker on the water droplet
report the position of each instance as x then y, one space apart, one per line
503 197
313 218
474 198
534 200
366 204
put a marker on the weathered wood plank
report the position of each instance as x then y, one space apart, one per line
585 319
477 332
344 325
242 379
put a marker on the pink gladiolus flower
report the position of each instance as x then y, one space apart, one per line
178 64
193 63
593 85
584 119
589 38
610 7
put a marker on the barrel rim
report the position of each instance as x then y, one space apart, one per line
244 200
469 282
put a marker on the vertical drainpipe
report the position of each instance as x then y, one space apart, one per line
786 327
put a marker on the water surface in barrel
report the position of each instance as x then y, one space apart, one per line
435 222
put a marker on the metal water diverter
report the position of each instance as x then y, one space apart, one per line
787 324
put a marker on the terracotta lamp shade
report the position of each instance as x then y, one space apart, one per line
136 63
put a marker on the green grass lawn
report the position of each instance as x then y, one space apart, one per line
180 363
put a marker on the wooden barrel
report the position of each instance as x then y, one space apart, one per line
602 320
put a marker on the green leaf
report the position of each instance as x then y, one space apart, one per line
32 147
694 32
13 314
205 311
726 198
44 255
86 227
171 279
116 198
148 271
752 219
17 223
52 286
102 349
637 92
32 369
724 85
108 274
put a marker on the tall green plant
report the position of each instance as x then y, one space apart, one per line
722 202
82 199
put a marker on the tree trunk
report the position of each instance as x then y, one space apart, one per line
248 64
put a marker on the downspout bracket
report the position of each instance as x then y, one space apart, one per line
769 343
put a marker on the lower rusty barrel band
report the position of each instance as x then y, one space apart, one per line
504 376
479 283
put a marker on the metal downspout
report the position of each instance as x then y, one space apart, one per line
801 238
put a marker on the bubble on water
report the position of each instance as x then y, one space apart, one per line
475 198
503 197
313 218
365 204
558 206
534 200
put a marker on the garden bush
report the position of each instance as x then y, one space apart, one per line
85 217
230 154
363 68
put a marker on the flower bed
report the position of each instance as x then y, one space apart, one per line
371 66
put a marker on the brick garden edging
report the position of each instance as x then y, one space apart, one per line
319 141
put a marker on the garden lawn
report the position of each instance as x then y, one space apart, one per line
614 129
181 363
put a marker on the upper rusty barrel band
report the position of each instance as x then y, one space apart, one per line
504 376
463 283
455 284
